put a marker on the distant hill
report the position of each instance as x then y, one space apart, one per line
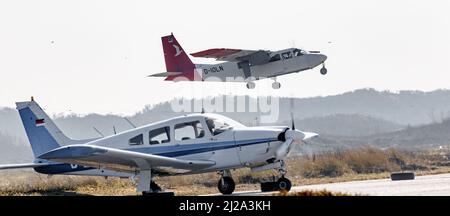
404 107
414 138
14 150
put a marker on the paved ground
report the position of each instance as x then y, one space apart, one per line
432 185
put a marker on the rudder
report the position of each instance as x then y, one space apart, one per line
41 131
177 60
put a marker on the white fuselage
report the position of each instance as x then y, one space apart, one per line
236 147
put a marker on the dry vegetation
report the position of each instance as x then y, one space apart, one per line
341 165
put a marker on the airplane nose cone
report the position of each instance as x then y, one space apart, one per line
316 59
295 135
299 136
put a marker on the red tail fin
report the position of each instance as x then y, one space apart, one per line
177 60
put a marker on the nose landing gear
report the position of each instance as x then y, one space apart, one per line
323 70
282 184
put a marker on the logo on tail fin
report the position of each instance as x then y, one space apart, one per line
177 50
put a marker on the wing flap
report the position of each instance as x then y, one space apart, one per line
118 159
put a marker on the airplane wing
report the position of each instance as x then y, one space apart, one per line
121 160
25 165
235 55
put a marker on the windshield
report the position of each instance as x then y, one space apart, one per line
299 52
220 124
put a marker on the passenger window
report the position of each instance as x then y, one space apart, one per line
287 55
189 130
275 58
137 140
159 136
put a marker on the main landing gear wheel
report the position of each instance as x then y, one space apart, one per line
276 85
226 185
251 85
155 187
284 184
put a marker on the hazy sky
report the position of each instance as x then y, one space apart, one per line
94 56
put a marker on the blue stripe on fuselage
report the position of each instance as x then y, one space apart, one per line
188 149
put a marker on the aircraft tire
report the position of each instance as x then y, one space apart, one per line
284 184
276 85
323 71
251 85
227 187
155 187
402 176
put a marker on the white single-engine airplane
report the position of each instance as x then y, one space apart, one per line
239 66
189 144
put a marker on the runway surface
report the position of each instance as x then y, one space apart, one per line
431 185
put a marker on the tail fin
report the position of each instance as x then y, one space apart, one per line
177 60
41 131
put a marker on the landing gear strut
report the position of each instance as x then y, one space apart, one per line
283 184
148 187
323 70
226 183
154 189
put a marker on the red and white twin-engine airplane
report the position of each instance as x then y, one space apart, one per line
238 66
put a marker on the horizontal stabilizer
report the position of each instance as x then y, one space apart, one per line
165 74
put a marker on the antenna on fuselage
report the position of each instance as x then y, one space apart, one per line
98 132
129 122
114 129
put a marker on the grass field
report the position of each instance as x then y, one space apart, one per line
341 165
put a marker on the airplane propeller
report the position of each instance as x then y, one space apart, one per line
291 135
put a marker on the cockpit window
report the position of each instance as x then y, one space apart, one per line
287 55
299 52
189 131
217 126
